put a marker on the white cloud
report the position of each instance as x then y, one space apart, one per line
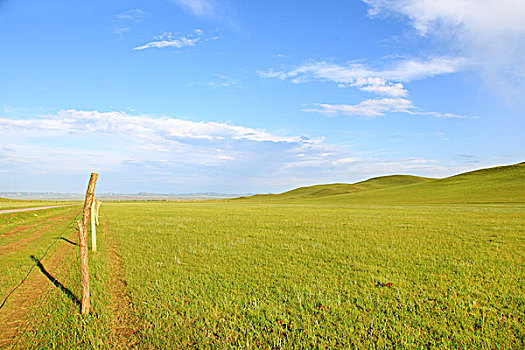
135 15
121 30
378 107
410 69
138 127
491 33
345 161
200 8
386 81
220 81
368 108
359 74
488 17
169 40
379 86
222 156
442 115
138 148
122 20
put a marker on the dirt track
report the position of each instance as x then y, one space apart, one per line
8 211
24 302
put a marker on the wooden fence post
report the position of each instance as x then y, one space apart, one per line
99 203
83 232
93 226
84 269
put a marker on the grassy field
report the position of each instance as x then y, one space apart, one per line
302 276
311 272
223 275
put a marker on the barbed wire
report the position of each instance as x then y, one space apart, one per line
55 240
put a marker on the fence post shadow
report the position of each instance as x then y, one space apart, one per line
57 283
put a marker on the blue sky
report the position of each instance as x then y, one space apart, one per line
256 96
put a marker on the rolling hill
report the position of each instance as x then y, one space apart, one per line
502 184
319 191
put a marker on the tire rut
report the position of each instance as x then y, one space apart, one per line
125 325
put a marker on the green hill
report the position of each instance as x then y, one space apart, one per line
319 191
503 184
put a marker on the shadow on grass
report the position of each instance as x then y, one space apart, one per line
57 284
68 241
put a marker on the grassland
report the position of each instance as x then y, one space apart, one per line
226 275
223 275
314 271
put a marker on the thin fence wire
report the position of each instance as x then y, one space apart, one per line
55 241
43 301
19 337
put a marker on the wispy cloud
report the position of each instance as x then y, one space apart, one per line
122 22
345 160
386 80
140 127
368 108
219 81
121 30
377 107
169 40
178 41
199 154
490 33
135 15
200 8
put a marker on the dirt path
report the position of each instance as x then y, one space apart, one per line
27 227
22 242
9 211
20 309
125 325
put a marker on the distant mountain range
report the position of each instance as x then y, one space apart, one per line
118 196
503 184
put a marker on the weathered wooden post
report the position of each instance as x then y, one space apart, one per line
82 227
99 203
93 225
